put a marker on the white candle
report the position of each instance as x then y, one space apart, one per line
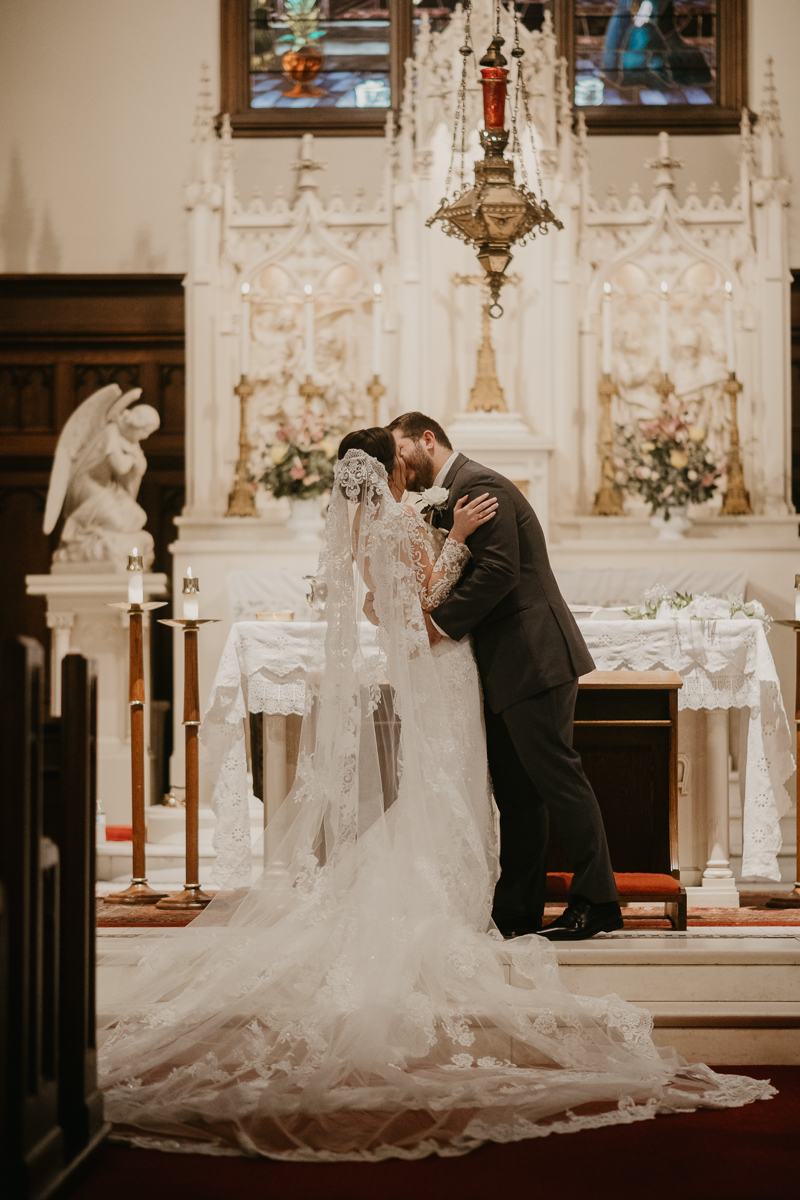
245 345
797 597
377 330
191 593
135 578
309 341
664 347
729 340
607 329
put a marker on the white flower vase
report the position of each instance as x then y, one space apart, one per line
672 527
306 520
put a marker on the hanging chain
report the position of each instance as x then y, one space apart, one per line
516 144
521 91
461 107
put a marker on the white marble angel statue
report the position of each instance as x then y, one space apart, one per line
357 1002
97 470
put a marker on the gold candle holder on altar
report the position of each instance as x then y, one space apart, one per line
737 497
139 892
375 391
309 391
192 896
608 501
241 502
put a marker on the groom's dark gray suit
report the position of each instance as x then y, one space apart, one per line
530 653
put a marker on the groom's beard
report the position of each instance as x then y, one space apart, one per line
419 470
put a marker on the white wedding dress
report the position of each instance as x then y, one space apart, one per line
356 1002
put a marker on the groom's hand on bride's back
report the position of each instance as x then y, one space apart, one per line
434 636
369 609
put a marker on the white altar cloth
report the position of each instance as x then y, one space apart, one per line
723 664
263 669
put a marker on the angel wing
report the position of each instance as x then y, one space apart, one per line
78 437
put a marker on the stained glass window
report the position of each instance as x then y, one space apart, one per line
652 52
439 12
320 54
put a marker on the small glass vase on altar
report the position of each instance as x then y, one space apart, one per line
672 524
306 520
299 464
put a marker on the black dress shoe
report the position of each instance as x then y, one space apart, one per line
520 930
580 920
514 929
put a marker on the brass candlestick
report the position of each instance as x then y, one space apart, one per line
487 394
375 391
608 501
192 895
139 892
737 497
241 502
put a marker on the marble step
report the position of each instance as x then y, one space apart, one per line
723 997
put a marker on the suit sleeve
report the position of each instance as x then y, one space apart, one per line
495 566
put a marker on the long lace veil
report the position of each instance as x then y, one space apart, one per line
354 1002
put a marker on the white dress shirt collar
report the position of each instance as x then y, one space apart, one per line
440 478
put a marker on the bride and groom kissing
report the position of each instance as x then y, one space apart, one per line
529 654
355 1000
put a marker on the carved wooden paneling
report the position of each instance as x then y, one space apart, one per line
171 393
91 376
61 338
27 397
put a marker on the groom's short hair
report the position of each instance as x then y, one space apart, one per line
414 424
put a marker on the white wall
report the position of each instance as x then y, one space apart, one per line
98 99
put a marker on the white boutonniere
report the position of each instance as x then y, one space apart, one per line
433 500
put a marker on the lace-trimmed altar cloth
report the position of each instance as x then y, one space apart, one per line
263 668
723 664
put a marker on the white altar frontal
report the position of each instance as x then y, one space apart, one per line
247 295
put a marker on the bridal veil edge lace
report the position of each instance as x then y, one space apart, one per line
351 1004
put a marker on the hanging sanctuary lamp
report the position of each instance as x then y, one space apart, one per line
494 214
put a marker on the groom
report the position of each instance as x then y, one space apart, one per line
530 654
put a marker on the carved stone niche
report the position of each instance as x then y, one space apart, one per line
694 248
279 251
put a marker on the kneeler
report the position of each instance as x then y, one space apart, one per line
626 731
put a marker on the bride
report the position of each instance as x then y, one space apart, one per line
356 1003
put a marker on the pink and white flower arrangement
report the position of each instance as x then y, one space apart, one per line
666 460
300 461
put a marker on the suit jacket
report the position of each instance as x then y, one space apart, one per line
526 640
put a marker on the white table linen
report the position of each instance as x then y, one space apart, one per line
723 664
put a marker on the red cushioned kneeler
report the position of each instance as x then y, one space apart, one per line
626 731
633 886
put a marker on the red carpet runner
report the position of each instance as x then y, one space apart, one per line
748 1153
753 911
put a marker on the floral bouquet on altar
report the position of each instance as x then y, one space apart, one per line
299 463
659 605
666 460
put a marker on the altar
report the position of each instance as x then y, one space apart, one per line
724 665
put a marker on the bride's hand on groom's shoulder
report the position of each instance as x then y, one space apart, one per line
469 515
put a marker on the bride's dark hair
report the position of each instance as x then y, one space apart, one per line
377 442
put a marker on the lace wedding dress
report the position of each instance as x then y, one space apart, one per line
351 1004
